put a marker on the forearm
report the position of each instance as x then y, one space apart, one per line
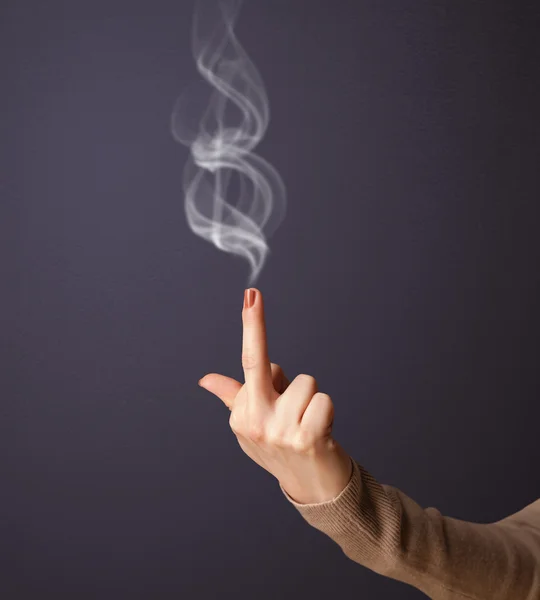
381 528
449 558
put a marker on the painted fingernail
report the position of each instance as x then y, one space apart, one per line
249 298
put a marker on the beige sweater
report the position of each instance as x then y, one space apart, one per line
381 528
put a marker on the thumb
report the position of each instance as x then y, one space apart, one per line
225 388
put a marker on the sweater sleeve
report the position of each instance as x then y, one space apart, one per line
381 528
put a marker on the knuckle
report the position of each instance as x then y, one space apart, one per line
276 438
306 378
248 361
302 442
325 401
233 422
255 432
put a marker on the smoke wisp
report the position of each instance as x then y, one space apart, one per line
233 197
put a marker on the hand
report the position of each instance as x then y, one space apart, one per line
284 427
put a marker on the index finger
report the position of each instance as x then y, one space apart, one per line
255 361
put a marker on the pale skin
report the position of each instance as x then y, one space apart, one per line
285 427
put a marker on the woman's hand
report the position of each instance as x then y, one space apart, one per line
284 427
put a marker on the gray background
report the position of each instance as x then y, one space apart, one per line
404 278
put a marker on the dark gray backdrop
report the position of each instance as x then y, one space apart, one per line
404 278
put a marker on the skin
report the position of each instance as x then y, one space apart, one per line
285 427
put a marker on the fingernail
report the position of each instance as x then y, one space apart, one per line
249 298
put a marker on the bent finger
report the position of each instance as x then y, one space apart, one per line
319 415
279 379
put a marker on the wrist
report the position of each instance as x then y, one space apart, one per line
323 480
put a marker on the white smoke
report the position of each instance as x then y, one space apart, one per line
221 125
